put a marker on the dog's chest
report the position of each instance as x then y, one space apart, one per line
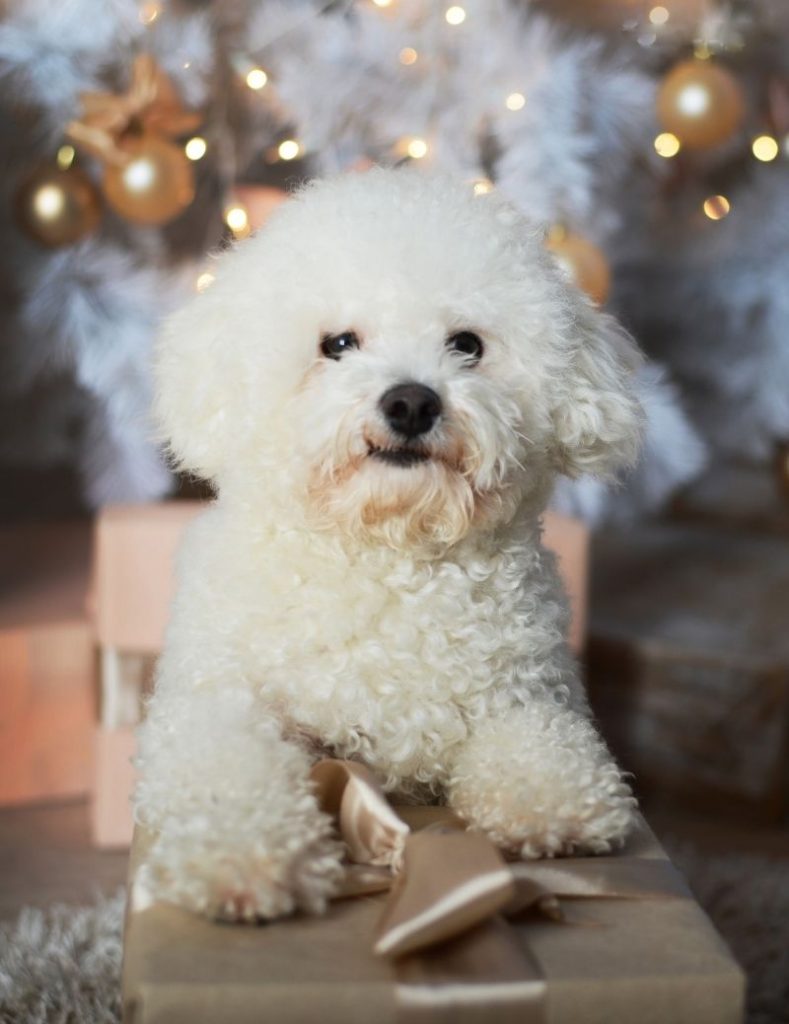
380 646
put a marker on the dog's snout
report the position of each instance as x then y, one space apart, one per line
411 409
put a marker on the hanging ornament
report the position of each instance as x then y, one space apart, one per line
153 183
148 179
701 103
57 206
582 261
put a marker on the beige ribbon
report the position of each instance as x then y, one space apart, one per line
450 891
150 105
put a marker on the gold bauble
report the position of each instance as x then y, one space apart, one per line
582 261
57 207
701 103
154 183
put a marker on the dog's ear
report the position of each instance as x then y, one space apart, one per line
191 400
597 419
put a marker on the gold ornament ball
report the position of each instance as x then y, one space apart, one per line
583 263
701 103
153 185
57 207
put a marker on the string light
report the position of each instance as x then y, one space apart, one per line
289 149
765 148
667 144
717 207
455 15
382 3
659 15
237 220
408 56
65 157
482 186
256 78
416 148
204 281
149 12
195 148
515 101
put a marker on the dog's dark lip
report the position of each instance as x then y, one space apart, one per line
399 456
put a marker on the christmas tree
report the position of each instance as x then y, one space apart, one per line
140 137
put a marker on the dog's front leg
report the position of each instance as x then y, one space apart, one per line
540 781
237 833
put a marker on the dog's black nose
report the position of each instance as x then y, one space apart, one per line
411 409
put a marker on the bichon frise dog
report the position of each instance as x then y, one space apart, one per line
382 385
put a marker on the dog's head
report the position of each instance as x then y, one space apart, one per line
401 358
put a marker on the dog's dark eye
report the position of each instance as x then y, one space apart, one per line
467 344
334 346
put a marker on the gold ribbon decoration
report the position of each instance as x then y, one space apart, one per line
150 105
446 881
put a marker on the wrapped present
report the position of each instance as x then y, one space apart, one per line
47 675
593 939
688 663
133 584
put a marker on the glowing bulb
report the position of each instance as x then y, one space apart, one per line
289 149
765 148
382 3
667 144
455 15
149 12
416 148
186 65
256 78
195 148
717 207
482 186
515 101
65 157
659 15
408 56
236 219
204 280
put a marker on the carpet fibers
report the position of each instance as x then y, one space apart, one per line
62 965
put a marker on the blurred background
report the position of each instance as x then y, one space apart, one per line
139 138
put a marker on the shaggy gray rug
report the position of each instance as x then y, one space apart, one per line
62 965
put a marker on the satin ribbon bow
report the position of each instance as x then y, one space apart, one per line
150 104
444 881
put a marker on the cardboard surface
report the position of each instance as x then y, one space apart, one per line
645 961
134 578
47 675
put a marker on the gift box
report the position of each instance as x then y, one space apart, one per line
688 663
648 956
133 585
47 675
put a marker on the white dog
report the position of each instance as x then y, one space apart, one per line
383 385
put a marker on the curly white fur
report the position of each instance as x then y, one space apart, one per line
405 616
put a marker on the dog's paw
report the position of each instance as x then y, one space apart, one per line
542 792
241 881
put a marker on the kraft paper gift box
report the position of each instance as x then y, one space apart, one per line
133 585
651 959
47 675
